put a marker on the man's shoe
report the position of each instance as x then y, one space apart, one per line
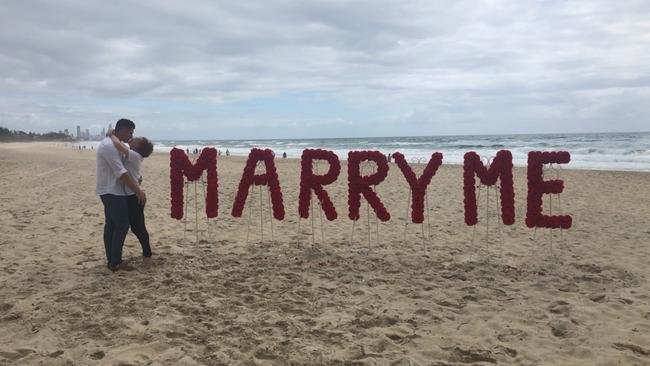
121 267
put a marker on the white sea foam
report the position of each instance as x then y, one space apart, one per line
607 151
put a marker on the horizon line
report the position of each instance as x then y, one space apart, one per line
408 136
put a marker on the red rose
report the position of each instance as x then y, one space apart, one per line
500 168
358 185
309 181
418 185
181 166
270 179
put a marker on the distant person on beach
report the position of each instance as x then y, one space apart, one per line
112 181
139 149
227 152
284 155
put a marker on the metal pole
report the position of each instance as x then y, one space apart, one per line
250 214
187 202
424 245
268 194
368 214
196 212
496 196
487 217
559 203
205 199
478 199
406 217
426 202
320 210
376 219
261 217
550 212
367 208
311 216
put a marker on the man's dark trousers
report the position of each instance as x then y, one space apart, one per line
116 226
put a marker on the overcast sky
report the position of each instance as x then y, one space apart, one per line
285 69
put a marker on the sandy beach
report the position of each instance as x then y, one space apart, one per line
456 296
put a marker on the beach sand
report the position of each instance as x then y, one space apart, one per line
513 297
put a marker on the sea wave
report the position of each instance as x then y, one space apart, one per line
588 151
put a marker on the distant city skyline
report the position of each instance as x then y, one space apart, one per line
83 133
91 135
322 69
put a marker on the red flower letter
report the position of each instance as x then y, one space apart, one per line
309 181
181 165
501 168
270 179
537 186
358 185
418 185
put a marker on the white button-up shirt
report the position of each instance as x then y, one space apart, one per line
133 165
109 169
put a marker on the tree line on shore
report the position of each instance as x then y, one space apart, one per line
7 135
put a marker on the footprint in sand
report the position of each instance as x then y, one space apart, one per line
97 355
17 355
561 328
471 355
512 335
560 307
638 350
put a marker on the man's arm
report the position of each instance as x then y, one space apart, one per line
126 179
119 145
115 164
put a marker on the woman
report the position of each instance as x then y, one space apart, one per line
139 149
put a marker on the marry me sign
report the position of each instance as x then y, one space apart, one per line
360 185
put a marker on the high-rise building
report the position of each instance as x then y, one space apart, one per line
78 132
103 133
87 134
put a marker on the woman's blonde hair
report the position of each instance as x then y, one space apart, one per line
145 148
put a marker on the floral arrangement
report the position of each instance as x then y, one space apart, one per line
358 185
309 181
418 185
270 179
181 166
537 186
500 168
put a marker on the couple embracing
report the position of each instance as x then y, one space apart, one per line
118 186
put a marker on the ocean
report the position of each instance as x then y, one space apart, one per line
601 151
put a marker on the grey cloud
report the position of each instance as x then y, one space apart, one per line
458 61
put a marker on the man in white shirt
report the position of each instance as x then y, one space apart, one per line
112 182
138 149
